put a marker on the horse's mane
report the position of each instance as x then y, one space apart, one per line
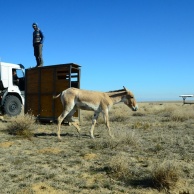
121 90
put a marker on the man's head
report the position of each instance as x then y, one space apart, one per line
34 25
14 71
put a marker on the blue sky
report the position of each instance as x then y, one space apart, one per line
144 45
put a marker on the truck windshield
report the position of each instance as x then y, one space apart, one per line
20 73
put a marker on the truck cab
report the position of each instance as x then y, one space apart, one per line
11 94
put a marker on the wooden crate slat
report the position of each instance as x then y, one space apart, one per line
46 109
31 105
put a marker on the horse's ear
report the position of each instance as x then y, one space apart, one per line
124 88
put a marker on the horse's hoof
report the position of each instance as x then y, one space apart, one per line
59 139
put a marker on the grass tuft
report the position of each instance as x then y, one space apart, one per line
165 176
22 126
119 167
123 139
141 125
181 116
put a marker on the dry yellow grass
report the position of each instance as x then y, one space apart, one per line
165 175
152 153
21 125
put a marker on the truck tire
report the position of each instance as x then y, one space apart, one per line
12 105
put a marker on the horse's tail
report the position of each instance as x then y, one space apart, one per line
56 96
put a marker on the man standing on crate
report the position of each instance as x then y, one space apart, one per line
38 39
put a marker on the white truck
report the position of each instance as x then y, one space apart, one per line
11 95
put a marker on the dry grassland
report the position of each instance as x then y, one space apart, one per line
152 153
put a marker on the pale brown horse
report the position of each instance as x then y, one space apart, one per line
74 98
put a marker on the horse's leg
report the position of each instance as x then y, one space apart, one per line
77 127
96 114
70 119
60 119
106 120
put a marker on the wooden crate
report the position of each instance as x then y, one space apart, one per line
42 83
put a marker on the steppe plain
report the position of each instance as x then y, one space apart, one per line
152 153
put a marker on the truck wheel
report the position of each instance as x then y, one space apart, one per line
12 106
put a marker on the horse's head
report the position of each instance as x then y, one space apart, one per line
130 100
